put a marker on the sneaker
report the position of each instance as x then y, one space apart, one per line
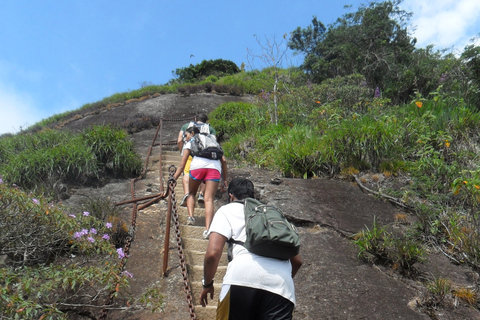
183 203
190 221
205 234
200 198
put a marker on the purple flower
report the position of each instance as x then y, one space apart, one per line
121 254
1 180
377 93
77 235
72 215
106 237
108 225
86 213
84 232
36 201
93 231
128 274
91 239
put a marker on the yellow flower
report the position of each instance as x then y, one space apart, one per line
477 186
465 182
317 101
447 143
419 104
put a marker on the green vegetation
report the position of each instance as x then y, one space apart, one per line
209 69
43 160
35 233
386 108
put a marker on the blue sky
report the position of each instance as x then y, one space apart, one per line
57 55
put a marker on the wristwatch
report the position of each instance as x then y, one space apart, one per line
206 285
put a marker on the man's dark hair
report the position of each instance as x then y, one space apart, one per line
241 188
201 117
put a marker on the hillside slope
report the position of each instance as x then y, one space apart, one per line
333 283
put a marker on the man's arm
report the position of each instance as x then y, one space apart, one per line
223 186
296 264
180 141
216 243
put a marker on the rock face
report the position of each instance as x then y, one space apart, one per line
332 284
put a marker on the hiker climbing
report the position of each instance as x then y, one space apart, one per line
255 286
208 165
200 120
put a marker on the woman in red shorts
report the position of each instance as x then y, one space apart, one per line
202 170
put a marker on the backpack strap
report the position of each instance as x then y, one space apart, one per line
231 241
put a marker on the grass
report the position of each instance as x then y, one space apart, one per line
42 160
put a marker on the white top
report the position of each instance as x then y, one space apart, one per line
248 269
202 163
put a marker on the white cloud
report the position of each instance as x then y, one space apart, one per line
17 111
444 23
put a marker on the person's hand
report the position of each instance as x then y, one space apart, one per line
204 295
223 187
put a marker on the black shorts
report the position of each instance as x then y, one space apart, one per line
244 303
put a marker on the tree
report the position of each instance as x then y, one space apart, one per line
198 72
372 41
273 55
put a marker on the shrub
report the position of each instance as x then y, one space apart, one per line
232 117
68 262
43 160
380 246
297 152
112 149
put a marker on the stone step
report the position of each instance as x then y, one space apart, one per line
196 273
195 231
207 313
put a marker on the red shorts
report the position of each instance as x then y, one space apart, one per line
205 174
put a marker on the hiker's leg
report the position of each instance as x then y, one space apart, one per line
192 191
202 188
210 191
212 179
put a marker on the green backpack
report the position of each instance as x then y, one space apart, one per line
269 233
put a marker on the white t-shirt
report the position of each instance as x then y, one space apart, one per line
248 269
202 163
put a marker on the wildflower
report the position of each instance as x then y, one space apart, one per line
477 186
35 201
106 237
77 235
317 102
1 180
377 93
72 215
465 182
91 239
121 254
128 274
419 104
93 231
108 225
84 232
86 213
447 143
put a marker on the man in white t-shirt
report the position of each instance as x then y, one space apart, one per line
254 287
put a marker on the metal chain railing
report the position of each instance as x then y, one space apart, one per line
181 254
